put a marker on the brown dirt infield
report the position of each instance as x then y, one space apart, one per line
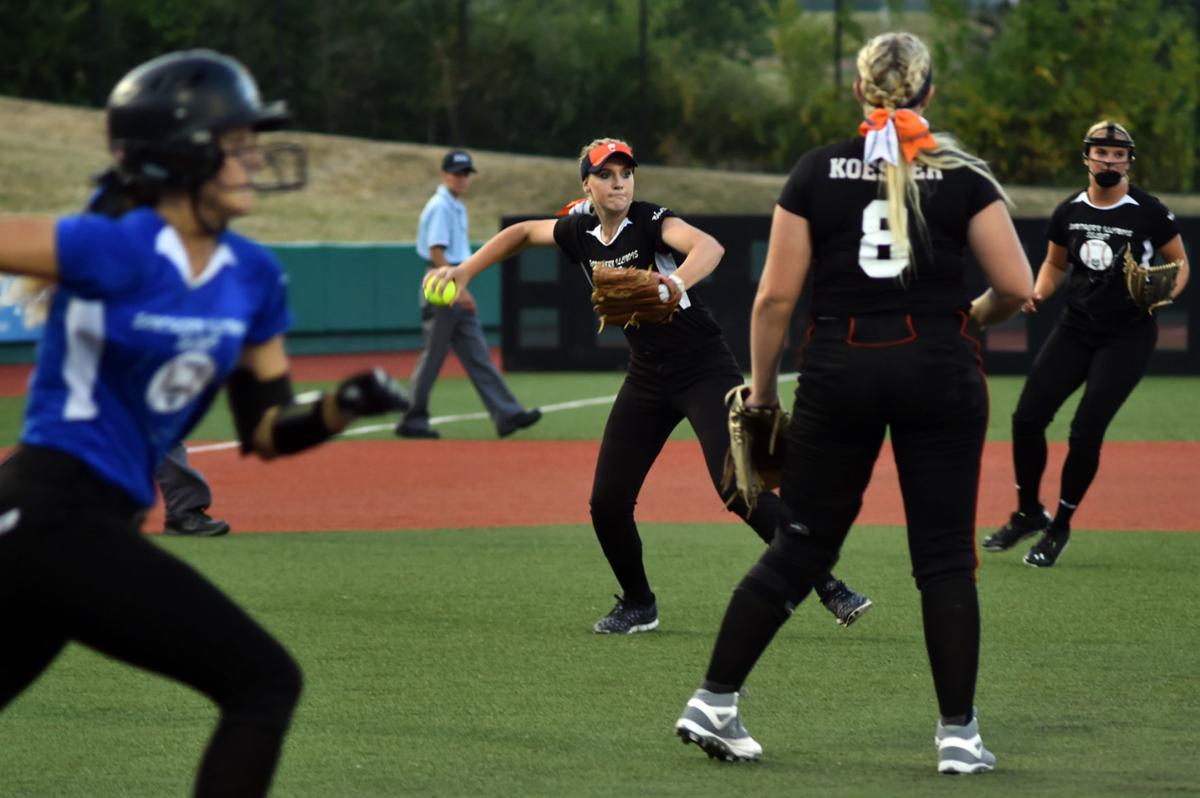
393 484
390 485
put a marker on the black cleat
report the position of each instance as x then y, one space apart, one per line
846 605
1019 526
1047 550
404 431
526 418
627 618
197 524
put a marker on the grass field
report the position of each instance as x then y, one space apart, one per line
1161 409
460 662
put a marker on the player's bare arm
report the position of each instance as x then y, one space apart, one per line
1051 275
503 245
27 247
702 251
1173 250
789 255
993 241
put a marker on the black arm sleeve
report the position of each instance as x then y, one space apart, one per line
299 426
249 398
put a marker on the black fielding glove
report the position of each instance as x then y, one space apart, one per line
370 394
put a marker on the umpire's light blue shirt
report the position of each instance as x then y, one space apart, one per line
444 224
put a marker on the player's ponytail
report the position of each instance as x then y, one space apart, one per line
895 78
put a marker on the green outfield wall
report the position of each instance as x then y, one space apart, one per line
365 297
344 298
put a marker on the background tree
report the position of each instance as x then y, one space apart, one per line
735 85
1024 96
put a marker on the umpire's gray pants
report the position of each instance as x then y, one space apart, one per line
443 328
184 489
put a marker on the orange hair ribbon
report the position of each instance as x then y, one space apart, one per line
904 130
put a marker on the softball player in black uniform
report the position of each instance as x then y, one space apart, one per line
153 310
681 369
882 223
1102 339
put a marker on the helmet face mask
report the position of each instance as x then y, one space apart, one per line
166 116
1107 134
277 166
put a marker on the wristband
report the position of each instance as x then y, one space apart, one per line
675 278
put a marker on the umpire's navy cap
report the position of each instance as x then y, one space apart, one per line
457 162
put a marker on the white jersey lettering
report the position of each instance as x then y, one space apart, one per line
855 169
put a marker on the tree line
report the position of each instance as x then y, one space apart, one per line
746 85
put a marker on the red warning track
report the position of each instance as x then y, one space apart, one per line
389 485
394 484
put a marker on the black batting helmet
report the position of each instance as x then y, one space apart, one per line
164 117
1108 134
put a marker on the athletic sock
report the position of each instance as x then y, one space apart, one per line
1062 518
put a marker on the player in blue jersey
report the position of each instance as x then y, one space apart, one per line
156 306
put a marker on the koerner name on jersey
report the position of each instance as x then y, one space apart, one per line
857 169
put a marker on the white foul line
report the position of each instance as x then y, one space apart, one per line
367 429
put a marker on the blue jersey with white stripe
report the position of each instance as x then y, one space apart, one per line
136 348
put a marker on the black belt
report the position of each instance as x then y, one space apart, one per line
889 330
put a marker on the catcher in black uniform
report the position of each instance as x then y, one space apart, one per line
679 366
1105 234
881 221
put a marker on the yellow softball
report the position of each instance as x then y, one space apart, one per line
445 297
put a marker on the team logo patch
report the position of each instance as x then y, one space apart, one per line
1096 255
180 380
9 521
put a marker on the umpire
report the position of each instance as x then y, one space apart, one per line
442 240
1102 339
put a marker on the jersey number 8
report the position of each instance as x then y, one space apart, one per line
877 252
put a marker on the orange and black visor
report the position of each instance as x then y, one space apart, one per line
598 155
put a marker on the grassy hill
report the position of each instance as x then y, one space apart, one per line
361 190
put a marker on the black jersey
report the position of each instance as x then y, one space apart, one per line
639 245
1095 240
855 271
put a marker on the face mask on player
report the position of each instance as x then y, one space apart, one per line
1108 178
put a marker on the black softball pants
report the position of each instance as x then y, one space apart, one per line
653 399
74 567
919 380
1111 364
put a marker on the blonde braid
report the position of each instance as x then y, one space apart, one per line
892 71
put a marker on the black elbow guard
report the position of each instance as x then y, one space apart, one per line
249 399
296 426
299 427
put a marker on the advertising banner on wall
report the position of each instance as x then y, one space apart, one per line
15 323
